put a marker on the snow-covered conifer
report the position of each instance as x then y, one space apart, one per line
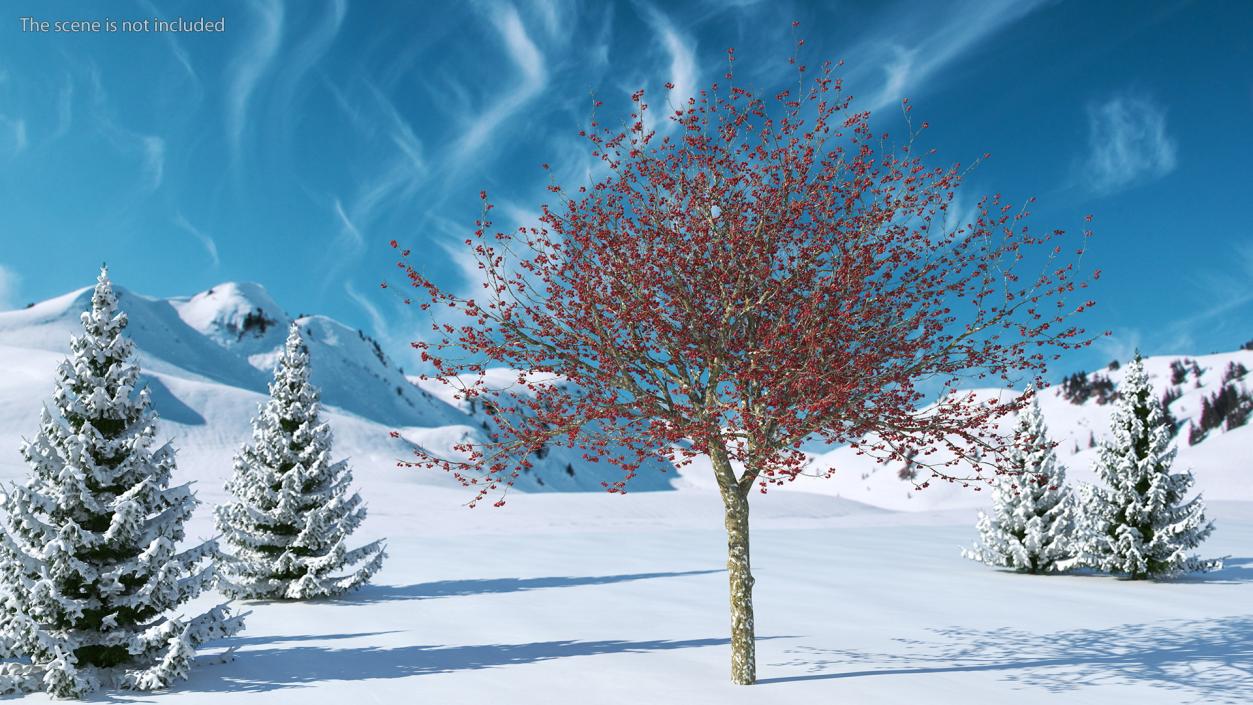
292 514
90 561
1139 523
1031 524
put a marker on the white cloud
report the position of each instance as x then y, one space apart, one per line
15 141
154 159
552 14
65 108
378 324
411 162
914 51
961 212
528 60
682 73
1128 143
1220 292
303 56
176 48
210 246
347 228
9 282
396 179
681 50
461 257
1122 345
150 148
19 135
250 66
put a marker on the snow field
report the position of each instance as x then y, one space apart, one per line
849 609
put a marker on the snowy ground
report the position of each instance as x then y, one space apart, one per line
577 597
564 598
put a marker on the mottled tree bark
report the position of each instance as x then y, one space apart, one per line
743 646
739 571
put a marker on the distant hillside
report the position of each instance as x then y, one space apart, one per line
207 360
1077 413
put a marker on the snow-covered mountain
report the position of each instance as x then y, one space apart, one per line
1222 461
207 359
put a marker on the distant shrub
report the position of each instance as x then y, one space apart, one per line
255 320
1178 373
1235 371
1075 388
1103 389
909 471
1229 407
1168 397
1079 387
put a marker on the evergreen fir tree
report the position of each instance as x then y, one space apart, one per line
90 562
292 514
1031 526
1139 523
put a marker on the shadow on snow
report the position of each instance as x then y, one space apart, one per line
460 588
1202 660
1234 570
273 669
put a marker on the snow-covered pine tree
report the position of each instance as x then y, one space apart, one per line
1139 523
1031 524
292 511
90 564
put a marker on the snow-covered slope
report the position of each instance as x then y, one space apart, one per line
562 599
207 360
1222 462
349 367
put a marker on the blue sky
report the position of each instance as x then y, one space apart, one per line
291 148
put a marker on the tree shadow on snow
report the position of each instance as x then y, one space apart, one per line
1234 570
1207 661
271 669
169 406
458 588
238 641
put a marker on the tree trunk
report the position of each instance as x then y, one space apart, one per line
743 646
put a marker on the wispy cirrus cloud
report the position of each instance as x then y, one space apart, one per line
9 282
206 241
176 47
65 109
1221 293
348 230
552 15
1127 144
680 49
149 148
378 323
16 128
529 62
393 179
305 53
153 150
249 66
911 53
1121 345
